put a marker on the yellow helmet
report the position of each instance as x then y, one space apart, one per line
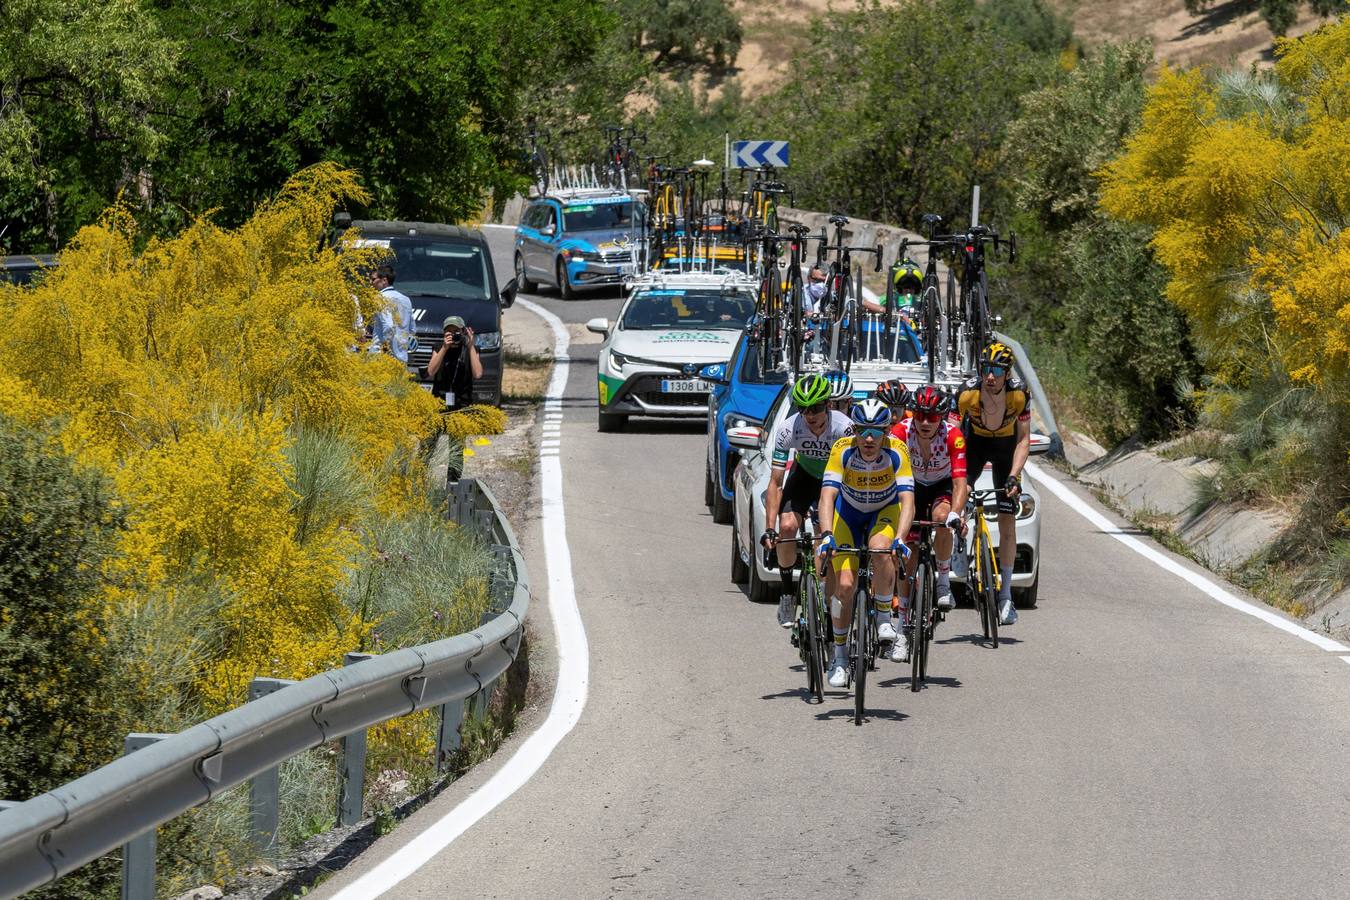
997 354
907 277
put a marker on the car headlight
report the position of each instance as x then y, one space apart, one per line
585 255
617 359
1026 506
490 340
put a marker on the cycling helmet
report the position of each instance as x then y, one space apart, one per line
841 386
907 278
929 399
809 390
997 354
870 414
893 393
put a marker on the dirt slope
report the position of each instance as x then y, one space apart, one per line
1225 35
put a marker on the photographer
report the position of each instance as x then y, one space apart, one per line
455 365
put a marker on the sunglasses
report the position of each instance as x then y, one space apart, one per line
875 433
996 371
813 409
927 417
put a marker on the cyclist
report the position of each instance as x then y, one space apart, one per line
841 390
896 397
808 436
869 486
908 281
996 410
937 452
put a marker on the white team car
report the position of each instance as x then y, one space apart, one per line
750 485
672 325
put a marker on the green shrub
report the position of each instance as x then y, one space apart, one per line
57 524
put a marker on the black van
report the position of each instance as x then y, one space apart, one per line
446 270
23 269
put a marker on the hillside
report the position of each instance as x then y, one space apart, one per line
775 31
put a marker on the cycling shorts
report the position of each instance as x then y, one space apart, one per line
801 491
981 449
927 496
856 529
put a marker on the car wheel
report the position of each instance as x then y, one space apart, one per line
1025 598
609 422
564 287
522 280
722 509
708 487
740 572
762 591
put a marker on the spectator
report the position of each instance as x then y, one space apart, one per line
392 327
455 365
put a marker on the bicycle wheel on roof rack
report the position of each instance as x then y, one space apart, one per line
931 314
539 173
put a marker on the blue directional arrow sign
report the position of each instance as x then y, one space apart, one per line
757 154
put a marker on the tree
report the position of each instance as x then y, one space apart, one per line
80 82
898 111
688 31
422 97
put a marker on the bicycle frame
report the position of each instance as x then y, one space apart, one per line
984 585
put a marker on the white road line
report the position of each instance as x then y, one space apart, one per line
573 673
1345 659
1270 617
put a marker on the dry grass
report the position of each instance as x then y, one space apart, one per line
525 377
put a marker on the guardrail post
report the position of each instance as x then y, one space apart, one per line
483 522
447 735
138 855
352 766
264 790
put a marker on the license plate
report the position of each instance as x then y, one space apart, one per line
684 386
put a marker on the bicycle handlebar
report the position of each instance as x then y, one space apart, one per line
874 250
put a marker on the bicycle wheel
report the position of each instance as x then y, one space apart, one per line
989 588
539 172
918 615
815 656
863 651
931 314
929 617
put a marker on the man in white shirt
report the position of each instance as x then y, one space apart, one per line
392 327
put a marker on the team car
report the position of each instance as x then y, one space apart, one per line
579 241
670 329
751 482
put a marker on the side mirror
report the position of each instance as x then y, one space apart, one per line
549 230
508 293
1039 443
744 436
716 373
598 326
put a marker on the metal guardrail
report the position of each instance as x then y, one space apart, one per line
163 776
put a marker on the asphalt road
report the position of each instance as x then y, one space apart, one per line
1131 737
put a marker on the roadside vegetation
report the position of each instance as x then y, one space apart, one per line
203 482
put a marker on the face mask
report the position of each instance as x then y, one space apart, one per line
815 290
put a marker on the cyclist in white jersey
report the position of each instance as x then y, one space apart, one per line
806 438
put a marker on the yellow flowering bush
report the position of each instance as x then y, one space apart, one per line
186 369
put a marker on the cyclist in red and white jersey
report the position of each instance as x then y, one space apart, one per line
937 452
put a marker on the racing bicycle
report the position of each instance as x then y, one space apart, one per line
863 642
982 576
923 612
811 629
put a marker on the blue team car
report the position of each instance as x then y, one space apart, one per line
578 241
740 396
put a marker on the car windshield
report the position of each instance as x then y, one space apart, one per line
598 216
678 308
436 268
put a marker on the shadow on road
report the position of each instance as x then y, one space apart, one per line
846 712
975 638
930 681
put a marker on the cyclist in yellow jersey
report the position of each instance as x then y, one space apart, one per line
869 485
996 411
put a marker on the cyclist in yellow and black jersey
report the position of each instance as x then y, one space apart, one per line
996 416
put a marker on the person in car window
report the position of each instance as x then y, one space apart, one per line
455 365
391 327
